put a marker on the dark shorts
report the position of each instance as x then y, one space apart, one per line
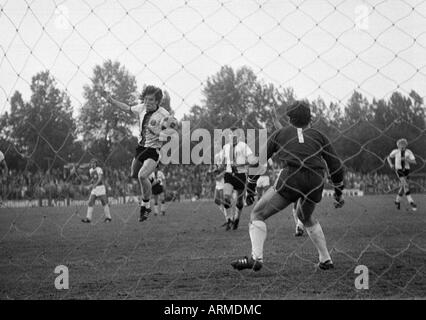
157 189
403 173
295 183
237 180
143 154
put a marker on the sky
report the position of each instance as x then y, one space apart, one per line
318 47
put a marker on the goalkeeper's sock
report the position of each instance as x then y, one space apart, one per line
257 231
163 207
106 211
317 236
89 213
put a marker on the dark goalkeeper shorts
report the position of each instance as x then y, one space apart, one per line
236 180
143 154
157 189
294 183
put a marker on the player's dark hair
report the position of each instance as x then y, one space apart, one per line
148 90
299 114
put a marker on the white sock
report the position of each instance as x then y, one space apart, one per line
163 207
410 198
237 213
257 231
229 214
156 209
146 204
106 211
317 236
89 213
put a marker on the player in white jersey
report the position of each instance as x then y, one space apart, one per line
98 192
3 170
151 116
236 155
402 157
158 182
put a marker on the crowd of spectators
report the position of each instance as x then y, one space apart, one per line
182 183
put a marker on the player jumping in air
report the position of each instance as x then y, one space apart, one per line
401 164
98 191
235 155
158 182
301 149
151 116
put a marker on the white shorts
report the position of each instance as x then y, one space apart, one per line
98 191
263 182
219 185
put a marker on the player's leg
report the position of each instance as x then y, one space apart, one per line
270 203
228 190
219 201
104 201
238 208
162 198
305 209
146 191
90 205
299 225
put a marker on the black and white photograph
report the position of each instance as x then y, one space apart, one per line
231 151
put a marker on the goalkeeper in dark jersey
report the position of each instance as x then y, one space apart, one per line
304 152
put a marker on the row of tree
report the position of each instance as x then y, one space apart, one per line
42 132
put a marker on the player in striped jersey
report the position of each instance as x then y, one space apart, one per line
403 157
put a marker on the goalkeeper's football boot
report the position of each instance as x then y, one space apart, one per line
85 220
398 205
247 263
107 220
413 206
144 213
235 224
326 265
299 231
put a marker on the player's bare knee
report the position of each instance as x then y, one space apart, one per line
218 201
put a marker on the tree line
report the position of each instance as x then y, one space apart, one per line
42 132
